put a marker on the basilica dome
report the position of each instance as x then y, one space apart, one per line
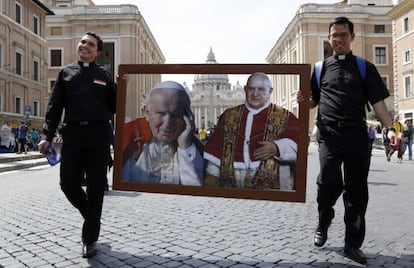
200 78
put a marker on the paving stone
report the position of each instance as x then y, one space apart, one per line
39 228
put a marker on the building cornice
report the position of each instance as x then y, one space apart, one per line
107 12
44 7
325 12
401 9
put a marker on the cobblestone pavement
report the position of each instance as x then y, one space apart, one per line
39 228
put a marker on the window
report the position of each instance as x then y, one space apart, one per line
407 86
283 84
407 56
294 57
405 25
64 3
1 55
35 108
55 57
56 30
18 13
380 55
295 84
385 80
51 85
18 63
379 28
36 25
35 70
1 102
18 105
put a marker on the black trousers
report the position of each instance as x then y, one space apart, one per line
344 170
85 150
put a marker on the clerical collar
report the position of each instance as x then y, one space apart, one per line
340 57
86 64
343 56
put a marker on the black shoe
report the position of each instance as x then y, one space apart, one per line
321 233
355 254
89 250
320 236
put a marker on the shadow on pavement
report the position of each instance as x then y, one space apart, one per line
122 193
381 183
377 170
108 258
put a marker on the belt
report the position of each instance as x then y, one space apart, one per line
344 124
87 123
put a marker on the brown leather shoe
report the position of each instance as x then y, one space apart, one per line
89 250
355 254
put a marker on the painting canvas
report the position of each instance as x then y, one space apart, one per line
136 131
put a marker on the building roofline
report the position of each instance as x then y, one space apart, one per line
307 11
400 9
44 7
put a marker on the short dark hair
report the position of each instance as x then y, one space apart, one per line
342 20
98 39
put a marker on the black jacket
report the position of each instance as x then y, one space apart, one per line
84 93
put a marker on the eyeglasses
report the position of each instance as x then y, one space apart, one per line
342 35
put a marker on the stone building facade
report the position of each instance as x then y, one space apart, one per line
211 94
126 36
402 16
23 62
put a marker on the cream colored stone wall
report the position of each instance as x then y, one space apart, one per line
403 41
20 38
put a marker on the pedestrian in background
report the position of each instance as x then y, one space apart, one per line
22 138
85 92
371 136
399 128
408 138
203 134
343 140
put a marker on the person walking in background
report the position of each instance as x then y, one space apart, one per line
34 137
408 138
341 95
399 128
254 145
22 138
85 92
202 134
371 136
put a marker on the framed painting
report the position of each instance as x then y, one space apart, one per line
137 131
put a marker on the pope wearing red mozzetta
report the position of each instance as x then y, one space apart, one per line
254 144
